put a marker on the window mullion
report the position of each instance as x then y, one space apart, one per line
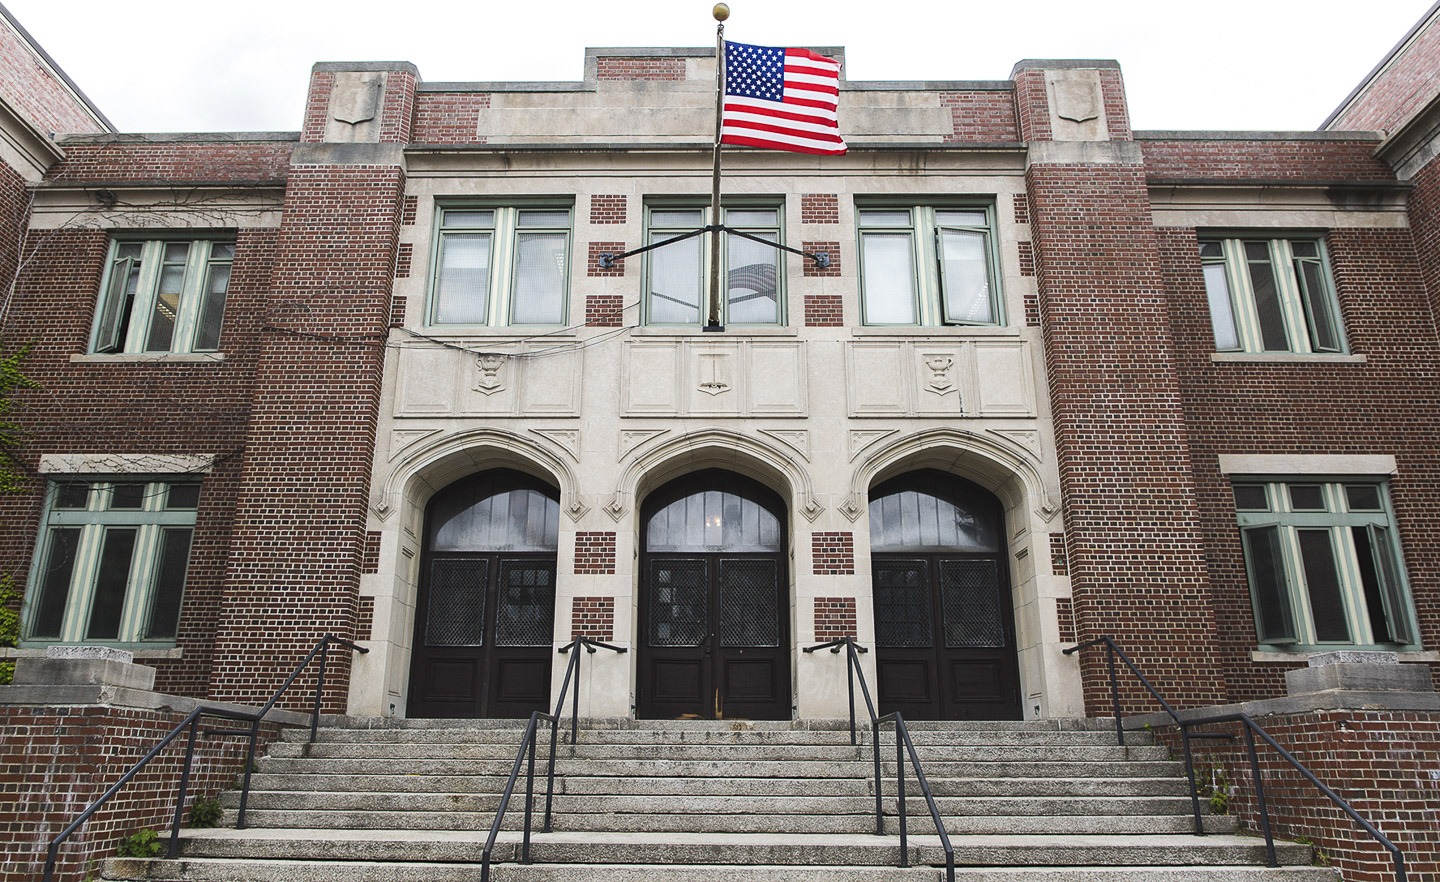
1352 590
141 583
1299 588
500 286
82 583
191 293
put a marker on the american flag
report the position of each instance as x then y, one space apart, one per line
781 99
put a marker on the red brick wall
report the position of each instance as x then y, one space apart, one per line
595 552
832 554
1380 762
824 311
449 117
607 209
640 68
173 162
592 259
55 761
300 518
1032 106
146 407
1425 227
813 269
1137 563
1269 160
1400 90
834 618
14 219
593 617
40 96
819 208
1317 408
981 116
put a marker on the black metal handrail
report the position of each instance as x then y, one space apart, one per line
903 745
527 747
191 722
1252 730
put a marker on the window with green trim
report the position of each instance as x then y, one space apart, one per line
1271 295
163 295
501 265
928 265
677 275
111 562
1324 564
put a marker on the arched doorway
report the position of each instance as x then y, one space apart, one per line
714 601
944 629
484 618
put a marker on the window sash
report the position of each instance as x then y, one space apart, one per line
110 575
1265 298
501 266
152 305
926 266
1325 577
677 275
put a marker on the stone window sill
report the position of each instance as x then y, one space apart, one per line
155 358
1301 656
1285 358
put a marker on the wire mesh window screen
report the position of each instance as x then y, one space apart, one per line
456 615
902 604
679 600
749 603
525 606
973 609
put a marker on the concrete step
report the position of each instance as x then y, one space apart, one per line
223 870
396 805
768 849
511 736
723 750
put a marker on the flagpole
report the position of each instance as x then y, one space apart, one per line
712 323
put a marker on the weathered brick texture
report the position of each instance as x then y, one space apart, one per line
1399 92
832 553
981 116
605 310
114 159
819 208
1137 563
607 209
1311 160
449 117
595 552
824 311
297 553
55 761
592 259
834 618
624 68
34 90
831 250
593 617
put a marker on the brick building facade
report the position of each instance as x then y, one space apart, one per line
1056 379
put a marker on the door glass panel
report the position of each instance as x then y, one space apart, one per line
911 520
713 520
510 520
456 615
902 604
524 612
678 602
972 608
749 603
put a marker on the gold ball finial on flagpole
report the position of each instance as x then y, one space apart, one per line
721 12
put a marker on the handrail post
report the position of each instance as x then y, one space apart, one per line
319 688
1190 777
1264 810
174 844
1114 690
900 791
879 805
529 790
850 661
245 784
582 643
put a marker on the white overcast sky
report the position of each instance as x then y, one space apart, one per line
243 65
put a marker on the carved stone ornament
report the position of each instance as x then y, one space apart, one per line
942 379
714 374
615 508
489 365
851 508
812 509
577 510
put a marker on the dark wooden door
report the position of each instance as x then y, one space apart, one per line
483 637
714 602
944 638
715 638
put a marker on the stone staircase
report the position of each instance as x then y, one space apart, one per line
1053 801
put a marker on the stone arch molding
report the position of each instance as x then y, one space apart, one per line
718 448
454 456
981 458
